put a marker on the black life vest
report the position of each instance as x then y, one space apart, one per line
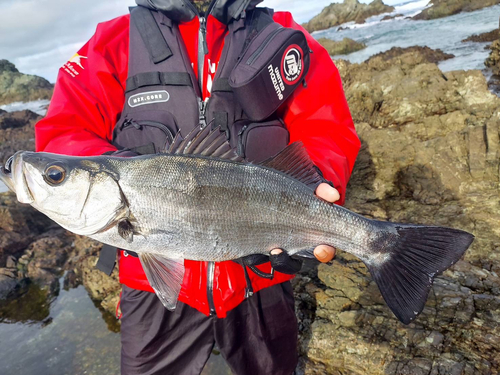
163 96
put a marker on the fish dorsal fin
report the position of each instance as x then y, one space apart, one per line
295 162
165 276
206 142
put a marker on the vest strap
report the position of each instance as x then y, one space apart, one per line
107 259
221 121
221 85
151 34
158 79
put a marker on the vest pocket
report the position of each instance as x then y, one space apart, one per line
260 141
146 133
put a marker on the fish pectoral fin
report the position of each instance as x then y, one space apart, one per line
295 162
165 276
126 230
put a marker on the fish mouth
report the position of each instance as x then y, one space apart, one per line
13 174
6 175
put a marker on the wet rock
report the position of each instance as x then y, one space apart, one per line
18 87
11 262
445 8
416 53
387 18
103 289
350 10
71 280
342 47
489 36
30 303
430 154
493 64
17 132
19 226
7 285
97 283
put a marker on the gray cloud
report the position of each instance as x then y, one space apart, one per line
40 35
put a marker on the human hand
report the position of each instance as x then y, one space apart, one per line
323 253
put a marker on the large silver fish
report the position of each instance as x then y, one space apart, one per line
201 202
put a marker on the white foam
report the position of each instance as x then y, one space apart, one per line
37 106
408 7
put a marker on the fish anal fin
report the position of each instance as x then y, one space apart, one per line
205 142
165 276
295 162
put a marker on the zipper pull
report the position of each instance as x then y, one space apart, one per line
240 133
125 123
202 115
203 34
136 125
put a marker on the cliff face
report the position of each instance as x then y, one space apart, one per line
350 10
18 87
430 155
445 8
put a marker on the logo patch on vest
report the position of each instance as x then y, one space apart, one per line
292 64
148 98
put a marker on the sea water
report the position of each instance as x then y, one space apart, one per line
443 33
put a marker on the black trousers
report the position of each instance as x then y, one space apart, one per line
258 337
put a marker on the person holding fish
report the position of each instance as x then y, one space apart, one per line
261 80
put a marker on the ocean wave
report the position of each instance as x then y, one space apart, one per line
37 106
411 6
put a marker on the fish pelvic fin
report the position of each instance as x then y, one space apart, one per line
411 259
295 162
165 276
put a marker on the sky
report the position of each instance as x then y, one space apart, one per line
39 36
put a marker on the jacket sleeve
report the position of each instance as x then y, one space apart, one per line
318 115
88 96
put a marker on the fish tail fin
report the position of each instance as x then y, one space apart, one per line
412 257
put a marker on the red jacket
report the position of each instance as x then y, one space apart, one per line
89 97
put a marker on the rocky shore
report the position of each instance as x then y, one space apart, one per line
493 66
430 154
350 10
489 36
341 47
19 87
445 8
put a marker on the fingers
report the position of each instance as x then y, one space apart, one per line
328 193
324 253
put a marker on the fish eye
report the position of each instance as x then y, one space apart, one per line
54 174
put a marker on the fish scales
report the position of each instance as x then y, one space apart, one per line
220 210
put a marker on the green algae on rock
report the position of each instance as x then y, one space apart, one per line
19 87
341 47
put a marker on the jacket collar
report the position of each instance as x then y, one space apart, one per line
184 10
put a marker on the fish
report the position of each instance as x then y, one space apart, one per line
201 201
